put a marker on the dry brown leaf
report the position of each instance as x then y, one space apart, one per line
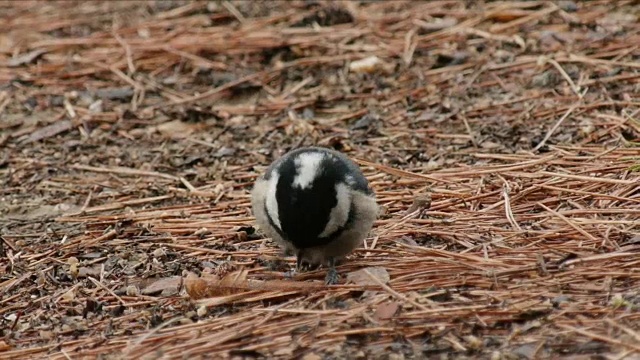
176 129
233 281
386 311
4 346
286 351
212 285
359 277
311 356
68 295
50 130
422 202
93 271
165 286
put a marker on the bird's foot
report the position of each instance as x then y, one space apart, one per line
276 265
332 277
332 274
303 265
290 274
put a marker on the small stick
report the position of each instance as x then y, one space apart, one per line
555 126
591 179
569 222
599 337
395 293
98 283
124 171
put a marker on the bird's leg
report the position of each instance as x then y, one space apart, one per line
299 261
275 264
289 252
279 264
332 274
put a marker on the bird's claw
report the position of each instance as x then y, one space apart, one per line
275 265
332 276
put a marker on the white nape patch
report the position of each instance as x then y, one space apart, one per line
340 213
307 168
271 202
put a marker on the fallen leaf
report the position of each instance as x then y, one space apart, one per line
473 342
224 151
175 129
89 271
165 286
4 346
45 334
311 356
407 240
69 295
359 277
213 285
285 351
386 311
235 283
50 130
421 202
526 351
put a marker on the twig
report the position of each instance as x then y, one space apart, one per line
124 171
98 283
598 337
555 126
395 293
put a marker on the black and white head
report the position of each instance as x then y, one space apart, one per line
316 203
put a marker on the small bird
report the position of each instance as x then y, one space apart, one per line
315 203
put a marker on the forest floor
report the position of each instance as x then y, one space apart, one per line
502 140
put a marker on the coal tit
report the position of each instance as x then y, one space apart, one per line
315 203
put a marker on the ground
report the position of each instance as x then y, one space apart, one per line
501 139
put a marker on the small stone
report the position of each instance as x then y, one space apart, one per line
473 342
185 321
311 356
132 290
73 270
159 252
46 334
546 79
568 6
366 65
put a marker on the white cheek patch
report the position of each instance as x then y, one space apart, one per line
340 213
271 203
307 168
